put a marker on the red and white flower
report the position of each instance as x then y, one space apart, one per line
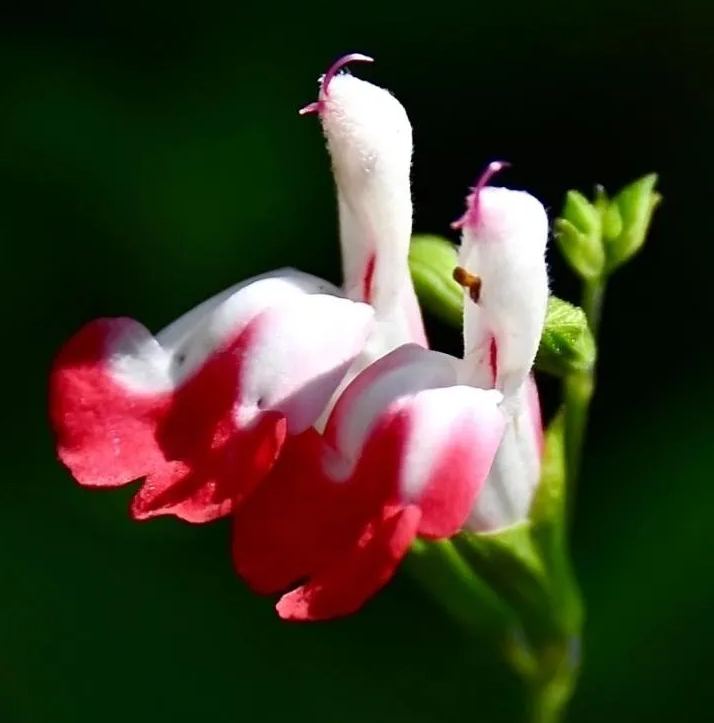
409 447
202 410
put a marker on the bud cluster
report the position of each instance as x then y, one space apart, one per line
596 237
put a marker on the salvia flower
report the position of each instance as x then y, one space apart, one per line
203 409
420 443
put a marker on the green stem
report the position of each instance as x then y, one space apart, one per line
579 388
554 681
578 392
593 295
548 701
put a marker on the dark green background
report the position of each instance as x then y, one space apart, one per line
151 156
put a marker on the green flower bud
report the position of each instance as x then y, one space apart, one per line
601 201
611 223
579 235
432 260
634 206
567 344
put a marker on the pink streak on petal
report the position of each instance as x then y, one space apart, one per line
368 279
471 216
493 360
339 64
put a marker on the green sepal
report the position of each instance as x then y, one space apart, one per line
527 564
515 586
469 600
514 579
634 206
567 344
432 260
509 562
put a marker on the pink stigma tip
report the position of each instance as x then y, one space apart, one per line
332 71
310 108
472 200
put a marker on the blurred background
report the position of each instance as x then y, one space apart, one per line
151 154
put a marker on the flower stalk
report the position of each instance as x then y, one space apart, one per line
518 581
597 237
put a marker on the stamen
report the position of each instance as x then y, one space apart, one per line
469 281
472 200
317 106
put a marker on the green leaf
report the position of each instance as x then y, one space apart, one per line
635 205
567 344
432 260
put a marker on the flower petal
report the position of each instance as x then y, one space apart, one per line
299 353
449 460
208 489
295 522
106 435
369 138
504 245
439 438
203 416
213 325
370 141
345 585
508 492
404 453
